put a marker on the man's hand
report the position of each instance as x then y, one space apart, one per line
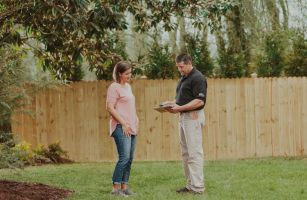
175 109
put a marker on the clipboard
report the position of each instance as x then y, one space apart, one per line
163 107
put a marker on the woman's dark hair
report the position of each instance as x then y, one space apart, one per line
120 68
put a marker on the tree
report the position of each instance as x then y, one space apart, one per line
72 31
272 62
297 59
234 61
15 89
274 14
160 63
12 80
197 47
231 45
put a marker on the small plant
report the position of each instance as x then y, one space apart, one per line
39 155
53 154
7 139
23 152
9 157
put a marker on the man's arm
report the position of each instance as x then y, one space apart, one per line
196 103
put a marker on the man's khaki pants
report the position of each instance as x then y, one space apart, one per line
190 126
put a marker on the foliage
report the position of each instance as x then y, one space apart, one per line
13 76
24 152
70 32
232 64
54 153
232 58
39 155
7 139
198 49
271 61
9 157
18 156
15 90
297 59
160 63
14 95
117 47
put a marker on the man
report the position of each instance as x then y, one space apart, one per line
190 101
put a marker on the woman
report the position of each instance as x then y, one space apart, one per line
123 125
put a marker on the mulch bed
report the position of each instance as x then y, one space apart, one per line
12 190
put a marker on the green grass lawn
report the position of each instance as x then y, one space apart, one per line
243 179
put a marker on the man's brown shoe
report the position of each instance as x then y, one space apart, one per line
183 190
186 190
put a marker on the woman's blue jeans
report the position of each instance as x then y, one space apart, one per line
125 148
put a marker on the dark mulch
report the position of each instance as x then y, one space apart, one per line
12 190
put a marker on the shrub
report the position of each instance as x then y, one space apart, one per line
297 59
232 64
115 45
54 153
199 52
23 152
271 61
160 63
13 76
39 155
9 157
7 139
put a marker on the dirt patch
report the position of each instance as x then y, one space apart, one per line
12 190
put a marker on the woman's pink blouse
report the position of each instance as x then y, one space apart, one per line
124 102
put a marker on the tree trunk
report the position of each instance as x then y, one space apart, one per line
274 13
220 41
235 31
173 40
136 43
182 32
6 128
285 13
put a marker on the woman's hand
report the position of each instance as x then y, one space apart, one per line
127 129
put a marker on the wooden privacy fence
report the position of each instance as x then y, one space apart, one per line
244 118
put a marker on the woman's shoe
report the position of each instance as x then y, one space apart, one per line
118 193
128 192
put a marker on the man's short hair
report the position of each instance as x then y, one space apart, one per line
184 57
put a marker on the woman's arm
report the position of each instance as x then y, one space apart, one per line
126 127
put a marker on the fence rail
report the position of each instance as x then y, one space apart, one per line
244 118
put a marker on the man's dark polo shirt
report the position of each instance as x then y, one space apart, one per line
190 87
